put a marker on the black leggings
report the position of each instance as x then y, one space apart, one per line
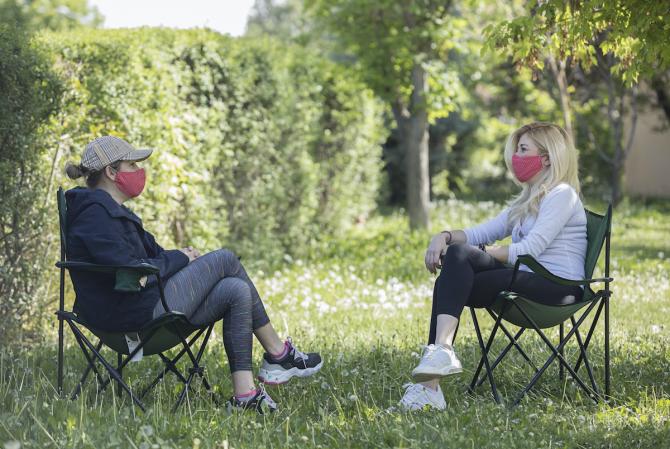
470 277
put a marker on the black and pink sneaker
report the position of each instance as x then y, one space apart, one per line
293 363
261 402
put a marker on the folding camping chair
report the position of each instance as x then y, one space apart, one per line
527 314
161 334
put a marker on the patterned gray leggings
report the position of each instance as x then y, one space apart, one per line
215 286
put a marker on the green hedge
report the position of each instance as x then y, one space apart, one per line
260 147
29 95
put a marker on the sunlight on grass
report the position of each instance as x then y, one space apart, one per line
363 300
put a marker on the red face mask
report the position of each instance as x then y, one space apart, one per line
131 183
526 167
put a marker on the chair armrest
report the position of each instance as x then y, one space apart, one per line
128 277
539 269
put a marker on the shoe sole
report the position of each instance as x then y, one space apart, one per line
423 376
270 378
410 409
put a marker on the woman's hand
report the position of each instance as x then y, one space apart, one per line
500 253
437 247
191 253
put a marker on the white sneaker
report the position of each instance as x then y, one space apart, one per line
437 361
418 396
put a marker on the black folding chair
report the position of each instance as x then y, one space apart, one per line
524 313
168 331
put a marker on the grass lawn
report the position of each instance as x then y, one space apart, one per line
363 301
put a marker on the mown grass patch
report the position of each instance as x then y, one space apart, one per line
363 300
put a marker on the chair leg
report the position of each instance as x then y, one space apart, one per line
561 371
109 368
504 352
60 355
587 341
195 369
555 354
170 365
203 378
514 339
89 359
583 354
123 363
607 346
484 359
119 364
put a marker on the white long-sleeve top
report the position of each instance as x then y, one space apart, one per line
556 237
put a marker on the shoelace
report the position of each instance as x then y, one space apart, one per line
296 353
264 396
428 351
412 392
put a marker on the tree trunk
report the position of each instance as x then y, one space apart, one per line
616 94
662 96
418 181
558 70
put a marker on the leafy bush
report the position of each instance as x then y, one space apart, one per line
260 147
29 95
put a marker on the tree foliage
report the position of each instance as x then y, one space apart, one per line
609 46
56 15
635 32
387 38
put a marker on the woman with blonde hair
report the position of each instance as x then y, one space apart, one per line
546 220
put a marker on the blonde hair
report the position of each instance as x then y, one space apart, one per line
554 142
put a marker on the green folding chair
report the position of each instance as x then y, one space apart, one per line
168 331
527 314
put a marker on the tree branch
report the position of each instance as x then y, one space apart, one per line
633 122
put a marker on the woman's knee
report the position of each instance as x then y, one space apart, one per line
458 252
227 255
240 293
229 260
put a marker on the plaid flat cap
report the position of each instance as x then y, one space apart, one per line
108 149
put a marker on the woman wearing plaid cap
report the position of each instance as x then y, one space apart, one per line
206 288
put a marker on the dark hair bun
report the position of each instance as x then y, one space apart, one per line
73 171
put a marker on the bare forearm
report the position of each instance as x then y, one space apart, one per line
455 236
500 253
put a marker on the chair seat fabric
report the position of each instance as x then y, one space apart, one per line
544 315
160 330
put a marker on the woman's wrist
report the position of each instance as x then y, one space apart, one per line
447 238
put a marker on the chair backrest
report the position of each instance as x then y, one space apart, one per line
62 212
597 231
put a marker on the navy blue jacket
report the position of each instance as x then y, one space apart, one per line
101 231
